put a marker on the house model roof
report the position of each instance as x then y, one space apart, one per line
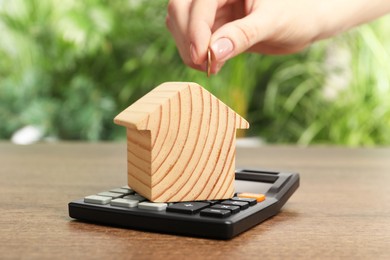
138 115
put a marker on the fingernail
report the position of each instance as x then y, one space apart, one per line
222 49
193 53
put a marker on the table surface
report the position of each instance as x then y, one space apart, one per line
341 210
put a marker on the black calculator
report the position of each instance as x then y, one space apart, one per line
259 195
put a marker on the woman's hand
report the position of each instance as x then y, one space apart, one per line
230 27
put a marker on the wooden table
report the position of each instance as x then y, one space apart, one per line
341 210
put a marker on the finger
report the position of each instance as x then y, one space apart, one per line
277 49
236 37
177 23
202 16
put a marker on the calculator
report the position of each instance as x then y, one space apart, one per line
259 195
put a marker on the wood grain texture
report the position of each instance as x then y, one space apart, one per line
340 211
181 144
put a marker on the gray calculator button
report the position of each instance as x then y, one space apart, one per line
120 190
126 203
135 197
95 199
156 206
110 194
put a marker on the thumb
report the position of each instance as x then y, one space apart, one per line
235 37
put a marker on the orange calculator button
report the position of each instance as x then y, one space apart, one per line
258 197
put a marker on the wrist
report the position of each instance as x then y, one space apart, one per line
336 17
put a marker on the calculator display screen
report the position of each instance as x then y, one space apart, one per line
252 186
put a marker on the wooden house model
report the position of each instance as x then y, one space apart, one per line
181 144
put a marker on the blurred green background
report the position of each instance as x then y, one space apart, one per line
69 67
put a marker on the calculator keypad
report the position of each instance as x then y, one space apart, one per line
125 197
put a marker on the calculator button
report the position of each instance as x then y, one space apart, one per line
241 204
135 197
127 188
257 196
212 202
110 194
156 206
187 207
122 191
125 203
233 209
217 213
95 199
249 200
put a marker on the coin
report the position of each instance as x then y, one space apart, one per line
208 62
